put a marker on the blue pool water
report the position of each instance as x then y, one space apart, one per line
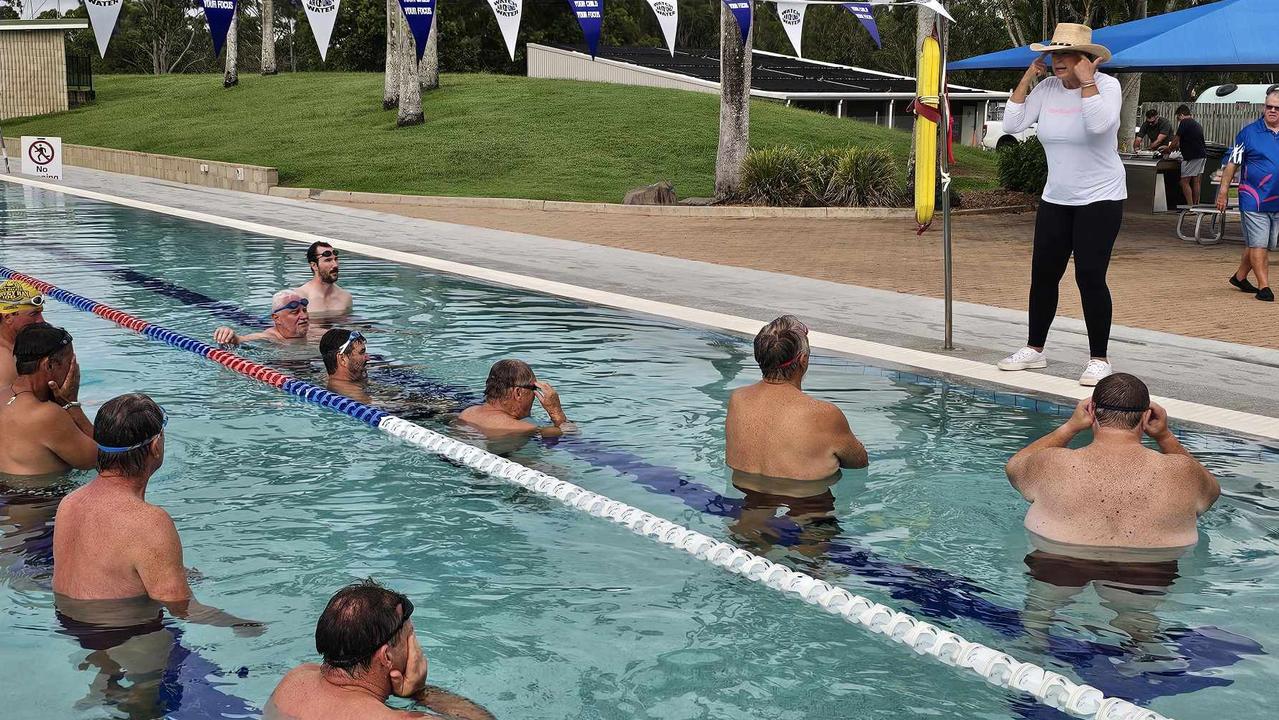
535 610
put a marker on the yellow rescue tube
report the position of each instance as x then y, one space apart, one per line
927 89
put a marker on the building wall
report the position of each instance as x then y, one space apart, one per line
549 62
33 73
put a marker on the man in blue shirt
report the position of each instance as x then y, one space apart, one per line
1256 153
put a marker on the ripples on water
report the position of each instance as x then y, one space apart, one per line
537 611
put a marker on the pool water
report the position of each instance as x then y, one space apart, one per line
535 610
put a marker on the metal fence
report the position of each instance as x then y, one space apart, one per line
1221 121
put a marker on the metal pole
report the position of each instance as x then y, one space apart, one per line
4 152
944 163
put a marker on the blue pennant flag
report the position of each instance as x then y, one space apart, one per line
742 12
420 14
590 15
862 12
218 14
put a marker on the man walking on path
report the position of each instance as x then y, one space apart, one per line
1189 139
1256 155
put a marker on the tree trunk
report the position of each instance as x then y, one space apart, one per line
410 92
1131 85
268 38
1046 28
428 72
734 104
925 22
391 83
231 77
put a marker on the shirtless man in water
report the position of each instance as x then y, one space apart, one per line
20 305
778 438
327 299
346 357
43 429
371 652
508 399
290 317
1114 492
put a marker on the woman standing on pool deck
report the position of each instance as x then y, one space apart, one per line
1078 114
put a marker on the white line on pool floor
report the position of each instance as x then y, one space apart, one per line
935 363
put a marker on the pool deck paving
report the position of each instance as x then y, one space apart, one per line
1180 326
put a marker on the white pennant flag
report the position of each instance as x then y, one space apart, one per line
103 14
936 7
792 17
321 14
667 12
508 14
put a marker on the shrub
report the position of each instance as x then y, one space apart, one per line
851 177
865 177
774 176
1023 167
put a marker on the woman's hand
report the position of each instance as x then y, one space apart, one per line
1086 70
1036 70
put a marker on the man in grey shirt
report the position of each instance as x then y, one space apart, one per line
1156 132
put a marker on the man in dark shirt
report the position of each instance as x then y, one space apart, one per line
1156 131
1190 141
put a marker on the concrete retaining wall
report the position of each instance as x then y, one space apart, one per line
192 171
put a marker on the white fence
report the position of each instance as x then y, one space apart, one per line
1221 121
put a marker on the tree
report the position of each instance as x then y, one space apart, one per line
410 112
734 103
391 78
231 77
1131 84
268 38
428 71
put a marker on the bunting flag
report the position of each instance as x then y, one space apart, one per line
218 14
792 16
103 14
741 10
320 14
667 12
590 15
419 14
935 6
862 12
508 14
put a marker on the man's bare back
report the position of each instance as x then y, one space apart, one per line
775 429
304 694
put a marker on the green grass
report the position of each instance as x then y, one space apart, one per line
485 135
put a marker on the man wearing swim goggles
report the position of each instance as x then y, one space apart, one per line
509 394
20 305
290 317
43 429
327 299
345 355
1114 492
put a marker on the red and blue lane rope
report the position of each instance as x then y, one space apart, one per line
298 388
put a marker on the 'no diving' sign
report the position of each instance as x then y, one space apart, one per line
42 156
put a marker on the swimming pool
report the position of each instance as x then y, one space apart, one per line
536 611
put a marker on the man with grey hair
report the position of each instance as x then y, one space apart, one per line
1256 156
774 429
290 321
509 393
1113 492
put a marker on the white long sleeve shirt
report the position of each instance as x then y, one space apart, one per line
1080 138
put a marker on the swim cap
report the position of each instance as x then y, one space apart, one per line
16 295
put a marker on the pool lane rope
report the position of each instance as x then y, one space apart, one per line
991 665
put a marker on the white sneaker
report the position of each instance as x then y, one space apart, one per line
1094 372
1024 359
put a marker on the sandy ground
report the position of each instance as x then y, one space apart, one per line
1157 281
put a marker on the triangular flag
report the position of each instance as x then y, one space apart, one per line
667 12
218 14
508 14
936 7
862 12
590 13
320 14
419 13
103 14
742 13
792 16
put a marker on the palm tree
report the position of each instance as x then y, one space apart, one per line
268 38
410 91
231 77
734 103
391 81
428 71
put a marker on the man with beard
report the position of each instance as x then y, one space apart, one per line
345 354
290 317
20 305
322 290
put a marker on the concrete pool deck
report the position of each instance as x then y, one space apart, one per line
885 326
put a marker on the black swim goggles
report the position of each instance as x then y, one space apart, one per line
294 305
355 336
1119 408
164 422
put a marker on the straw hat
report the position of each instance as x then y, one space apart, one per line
1074 38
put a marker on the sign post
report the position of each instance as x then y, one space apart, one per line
42 156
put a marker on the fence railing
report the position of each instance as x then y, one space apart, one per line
1220 121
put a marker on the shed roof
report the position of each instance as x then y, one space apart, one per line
51 24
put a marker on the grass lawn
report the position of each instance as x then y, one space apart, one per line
485 135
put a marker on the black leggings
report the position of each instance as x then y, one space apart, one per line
1089 232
